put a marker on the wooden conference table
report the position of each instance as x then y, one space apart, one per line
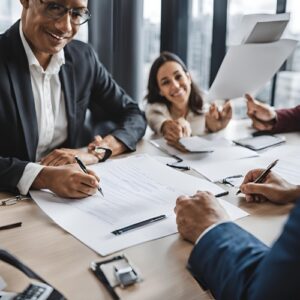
64 262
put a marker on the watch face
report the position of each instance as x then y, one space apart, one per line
102 153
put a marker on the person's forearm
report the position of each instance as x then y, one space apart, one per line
287 120
41 181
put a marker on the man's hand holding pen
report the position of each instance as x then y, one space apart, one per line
67 181
86 171
273 188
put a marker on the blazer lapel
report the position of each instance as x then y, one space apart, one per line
20 78
68 87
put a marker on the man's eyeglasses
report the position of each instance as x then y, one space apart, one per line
55 11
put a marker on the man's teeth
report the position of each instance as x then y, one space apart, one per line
56 36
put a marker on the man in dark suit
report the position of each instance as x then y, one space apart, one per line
265 118
48 83
231 262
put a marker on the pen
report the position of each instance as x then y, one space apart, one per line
263 175
9 226
84 169
222 194
137 225
186 168
166 151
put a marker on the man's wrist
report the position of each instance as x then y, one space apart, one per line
209 229
41 181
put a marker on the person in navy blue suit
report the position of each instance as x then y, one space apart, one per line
231 262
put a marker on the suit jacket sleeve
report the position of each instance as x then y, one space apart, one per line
287 120
11 170
108 99
233 264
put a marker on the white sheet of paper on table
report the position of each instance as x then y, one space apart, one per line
135 189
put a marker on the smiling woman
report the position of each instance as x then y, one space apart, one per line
175 104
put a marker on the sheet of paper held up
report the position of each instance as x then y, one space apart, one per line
249 22
135 189
247 68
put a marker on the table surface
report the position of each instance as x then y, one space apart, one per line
64 261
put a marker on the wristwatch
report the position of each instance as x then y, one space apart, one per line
102 153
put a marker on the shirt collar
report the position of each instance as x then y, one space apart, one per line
57 59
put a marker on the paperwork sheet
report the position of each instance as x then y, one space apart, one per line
135 189
249 22
247 68
223 151
288 165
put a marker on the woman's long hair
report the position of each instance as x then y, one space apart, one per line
195 101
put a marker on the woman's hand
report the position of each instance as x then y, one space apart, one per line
173 130
64 156
216 119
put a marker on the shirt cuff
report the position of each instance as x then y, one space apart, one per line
31 171
209 229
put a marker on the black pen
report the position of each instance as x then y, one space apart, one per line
222 194
84 169
263 175
137 225
9 226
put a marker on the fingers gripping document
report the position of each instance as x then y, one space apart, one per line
137 188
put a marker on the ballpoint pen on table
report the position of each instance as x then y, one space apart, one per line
263 175
178 159
84 169
9 226
138 224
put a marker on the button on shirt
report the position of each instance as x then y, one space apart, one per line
50 110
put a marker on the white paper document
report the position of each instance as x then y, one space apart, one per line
223 151
247 68
135 189
197 144
249 22
287 167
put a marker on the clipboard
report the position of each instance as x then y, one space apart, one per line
260 142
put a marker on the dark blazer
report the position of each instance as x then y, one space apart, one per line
86 86
287 120
233 264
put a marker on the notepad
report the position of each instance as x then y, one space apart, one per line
260 142
196 144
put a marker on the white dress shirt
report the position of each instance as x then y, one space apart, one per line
209 229
50 110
